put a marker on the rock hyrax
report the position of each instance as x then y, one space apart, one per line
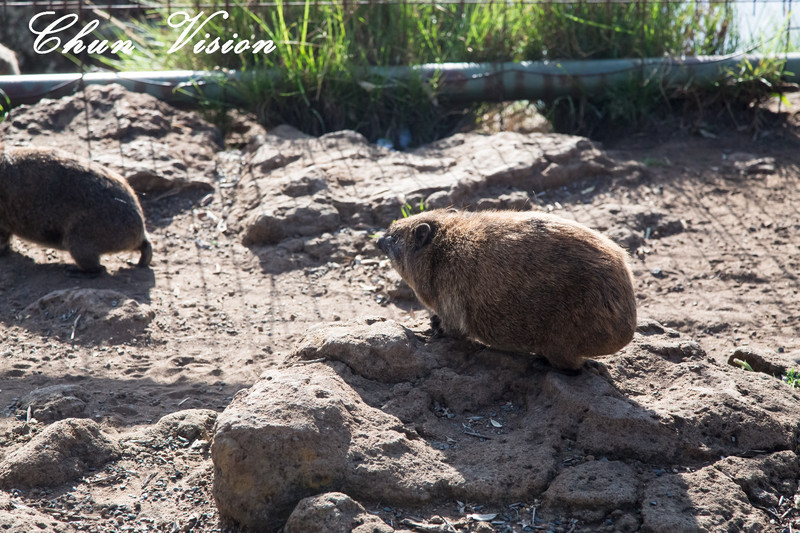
518 281
53 198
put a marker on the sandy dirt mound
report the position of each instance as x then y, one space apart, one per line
399 431
89 316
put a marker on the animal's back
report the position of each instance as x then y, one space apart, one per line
53 198
44 193
525 281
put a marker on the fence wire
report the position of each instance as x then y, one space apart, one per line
133 5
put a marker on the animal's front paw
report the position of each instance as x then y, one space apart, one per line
436 326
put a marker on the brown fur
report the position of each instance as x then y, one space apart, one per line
518 281
53 198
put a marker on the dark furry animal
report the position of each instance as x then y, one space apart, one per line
53 198
518 281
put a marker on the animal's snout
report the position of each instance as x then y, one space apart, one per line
383 243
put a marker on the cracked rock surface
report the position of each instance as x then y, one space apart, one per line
391 415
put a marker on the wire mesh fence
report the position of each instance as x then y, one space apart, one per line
322 48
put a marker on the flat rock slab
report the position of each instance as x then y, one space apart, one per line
154 146
396 417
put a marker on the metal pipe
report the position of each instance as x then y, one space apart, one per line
174 86
462 82
546 80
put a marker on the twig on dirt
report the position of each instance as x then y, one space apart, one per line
183 401
309 361
475 434
149 479
74 326
419 526
767 510
574 524
428 528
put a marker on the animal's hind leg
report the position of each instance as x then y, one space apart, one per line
564 360
85 255
146 250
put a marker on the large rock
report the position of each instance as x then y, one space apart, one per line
347 181
153 145
306 217
705 500
301 431
386 414
63 451
765 478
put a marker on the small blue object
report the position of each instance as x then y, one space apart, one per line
404 138
386 143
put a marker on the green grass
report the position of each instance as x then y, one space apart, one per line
316 80
792 378
407 209
5 105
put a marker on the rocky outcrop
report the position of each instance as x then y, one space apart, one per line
294 185
384 413
302 431
154 146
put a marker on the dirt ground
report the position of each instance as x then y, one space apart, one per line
226 312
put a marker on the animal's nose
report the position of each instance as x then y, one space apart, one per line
381 243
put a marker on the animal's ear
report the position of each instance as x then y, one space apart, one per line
422 235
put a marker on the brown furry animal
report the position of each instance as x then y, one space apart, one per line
53 198
518 281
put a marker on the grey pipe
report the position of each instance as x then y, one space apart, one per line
463 82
